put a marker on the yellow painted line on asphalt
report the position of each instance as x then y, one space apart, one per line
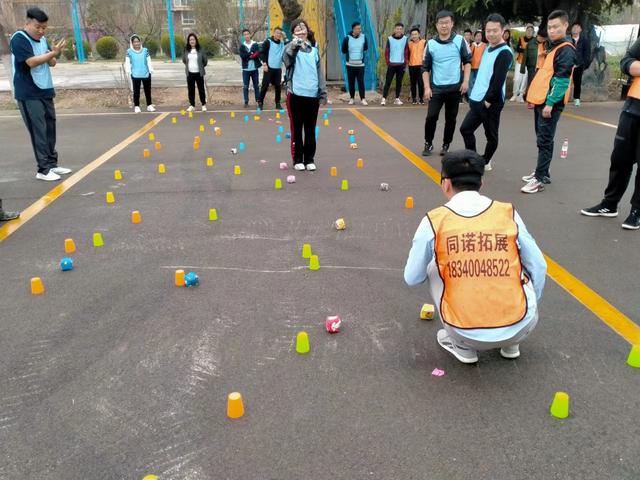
589 120
610 315
39 205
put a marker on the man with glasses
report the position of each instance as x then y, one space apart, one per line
32 58
446 69
484 270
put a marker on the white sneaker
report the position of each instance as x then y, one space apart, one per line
299 167
577 102
351 101
534 186
528 178
488 167
137 110
383 102
461 352
151 108
190 109
397 101
514 98
520 99
311 167
204 108
512 351
49 177
364 102
61 170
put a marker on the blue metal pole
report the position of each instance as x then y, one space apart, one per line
172 40
77 32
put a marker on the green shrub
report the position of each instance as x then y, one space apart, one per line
69 52
166 47
107 47
209 45
153 46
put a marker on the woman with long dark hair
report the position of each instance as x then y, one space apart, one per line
195 59
306 89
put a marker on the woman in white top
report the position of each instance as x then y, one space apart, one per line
195 59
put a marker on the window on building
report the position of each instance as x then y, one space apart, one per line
188 18
183 3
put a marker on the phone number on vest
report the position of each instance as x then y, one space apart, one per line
489 267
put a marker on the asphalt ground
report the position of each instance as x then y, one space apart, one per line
115 373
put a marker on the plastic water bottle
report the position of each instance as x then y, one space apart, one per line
565 149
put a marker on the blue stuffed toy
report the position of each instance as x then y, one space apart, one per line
66 264
191 280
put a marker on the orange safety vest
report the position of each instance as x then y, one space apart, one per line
634 90
539 88
416 52
476 55
479 262
520 57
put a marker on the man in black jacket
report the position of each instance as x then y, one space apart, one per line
488 94
626 150
271 54
353 47
581 42
250 55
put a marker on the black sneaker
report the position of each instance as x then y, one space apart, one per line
445 149
428 149
246 105
278 106
599 211
260 105
421 102
633 220
414 102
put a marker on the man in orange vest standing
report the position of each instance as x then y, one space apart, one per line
549 93
626 150
484 270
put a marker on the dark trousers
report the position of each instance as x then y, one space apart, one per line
252 75
194 79
39 116
355 74
626 153
531 72
489 118
417 83
398 72
303 114
451 102
146 84
577 82
545 134
273 76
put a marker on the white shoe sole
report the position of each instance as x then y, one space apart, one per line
629 227
510 356
590 214
452 351
48 179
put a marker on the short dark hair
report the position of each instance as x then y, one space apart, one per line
246 30
414 29
355 24
38 15
399 24
578 24
478 32
277 28
561 14
135 37
464 168
468 30
444 14
187 47
496 18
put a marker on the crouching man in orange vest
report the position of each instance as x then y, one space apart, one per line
626 150
484 270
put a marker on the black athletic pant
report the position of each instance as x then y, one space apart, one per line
451 102
303 114
531 72
577 82
194 79
398 72
146 84
355 74
626 153
545 135
273 76
415 75
39 116
489 118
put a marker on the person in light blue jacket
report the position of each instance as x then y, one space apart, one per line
137 64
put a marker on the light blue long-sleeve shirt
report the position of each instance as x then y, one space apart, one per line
422 254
